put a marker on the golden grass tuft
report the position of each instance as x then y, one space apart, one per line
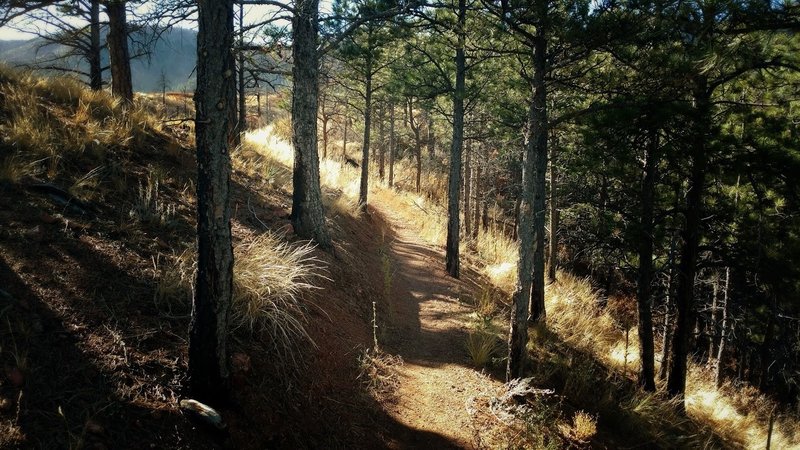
482 346
582 429
270 277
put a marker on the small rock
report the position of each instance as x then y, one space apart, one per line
5 404
203 413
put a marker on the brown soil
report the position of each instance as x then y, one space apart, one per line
429 324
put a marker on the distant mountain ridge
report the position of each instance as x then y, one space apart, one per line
174 56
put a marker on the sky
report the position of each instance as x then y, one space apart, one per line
252 14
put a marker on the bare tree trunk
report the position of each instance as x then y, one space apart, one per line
485 212
121 82
242 125
478 197
344 137
452 262
723 333
431 137
325 121
667 336
467 190
535 140
713 326
538 136
687 269
95 64
392 144
308 215
644 299
364 186
382 145
553 251
208 359
416 128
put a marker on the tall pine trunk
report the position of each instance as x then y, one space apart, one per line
452 262
363 191
535 141
208 359
538 137
553 250
242 122
382 145
478 198
467 191
95 60
431 137
392 144
344 138
308 215
723 332
644 299
687 268
121 81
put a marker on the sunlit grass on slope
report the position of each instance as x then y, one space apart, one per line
574 311
49 124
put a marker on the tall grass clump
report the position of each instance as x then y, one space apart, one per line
270 277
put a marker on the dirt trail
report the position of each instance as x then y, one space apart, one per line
430 320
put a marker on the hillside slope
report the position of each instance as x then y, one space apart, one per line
94 238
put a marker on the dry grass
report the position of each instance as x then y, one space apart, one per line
575 314
271 277
54 127
482 346
378 372
582 429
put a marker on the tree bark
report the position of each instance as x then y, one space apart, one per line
208 359
553 251
241 127
478 199
538 138
467 190
392 144
344 137
687 268
382 145
416 128
713 326
431 137
528 222
644 283
363 191
308 215
723 332
325 121
452 262
121 81
95 64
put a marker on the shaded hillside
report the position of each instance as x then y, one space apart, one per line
96 247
